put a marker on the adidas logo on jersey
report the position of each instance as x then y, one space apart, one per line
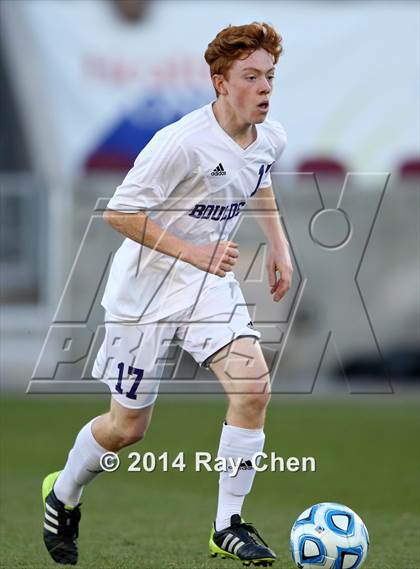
219 170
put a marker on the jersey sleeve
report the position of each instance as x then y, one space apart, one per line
159 168
278 138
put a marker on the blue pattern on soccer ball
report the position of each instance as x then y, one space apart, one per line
317 559
329 517
354 551
309 519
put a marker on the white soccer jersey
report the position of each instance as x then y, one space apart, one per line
194 180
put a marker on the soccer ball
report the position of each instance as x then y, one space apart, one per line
330 536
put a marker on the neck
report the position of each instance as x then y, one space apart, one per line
243 133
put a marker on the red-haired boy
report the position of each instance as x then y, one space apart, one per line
172 280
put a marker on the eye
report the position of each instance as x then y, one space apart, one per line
270 77
251 77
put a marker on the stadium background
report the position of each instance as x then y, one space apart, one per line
85 84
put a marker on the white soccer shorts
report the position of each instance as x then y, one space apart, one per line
132 356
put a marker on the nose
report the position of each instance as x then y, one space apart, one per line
265 86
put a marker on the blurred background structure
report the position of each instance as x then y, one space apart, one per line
85 85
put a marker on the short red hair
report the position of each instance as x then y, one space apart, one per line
238 42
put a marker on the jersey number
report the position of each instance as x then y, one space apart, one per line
131 370
263 170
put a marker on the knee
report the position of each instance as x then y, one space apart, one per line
254 402
128 431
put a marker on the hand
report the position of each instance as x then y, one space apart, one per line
217 258
280 269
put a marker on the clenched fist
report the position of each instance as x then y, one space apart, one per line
217 258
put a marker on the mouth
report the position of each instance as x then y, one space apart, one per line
263 107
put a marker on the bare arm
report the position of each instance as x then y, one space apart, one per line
217 258
279 264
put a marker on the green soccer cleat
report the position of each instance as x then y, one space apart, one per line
238 542
61 524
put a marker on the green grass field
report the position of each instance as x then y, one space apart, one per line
367 457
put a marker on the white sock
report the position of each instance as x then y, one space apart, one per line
81 467
235 443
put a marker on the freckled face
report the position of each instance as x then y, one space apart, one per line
249 85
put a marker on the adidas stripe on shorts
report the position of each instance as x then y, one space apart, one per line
131 358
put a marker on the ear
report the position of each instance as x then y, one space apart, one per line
219 83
